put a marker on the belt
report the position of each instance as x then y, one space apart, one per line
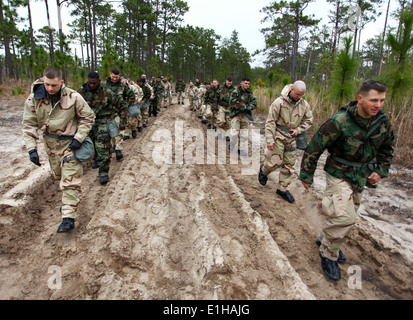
287 131
353 164
59 137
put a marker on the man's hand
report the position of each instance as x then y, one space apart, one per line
374 179
270 146
293 133
34 157
75 145
306 185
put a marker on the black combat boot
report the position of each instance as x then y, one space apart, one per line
67 225
119 155
134 134
286 195
330 268
262 178
103 180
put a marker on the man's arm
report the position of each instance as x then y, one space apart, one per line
86 118
30 124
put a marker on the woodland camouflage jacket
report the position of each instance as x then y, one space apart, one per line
213 98
70 116
97 101
120 96
350 137
180 86
226 95
240 99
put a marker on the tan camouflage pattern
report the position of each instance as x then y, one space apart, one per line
340 205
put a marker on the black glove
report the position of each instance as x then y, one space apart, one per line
34 157
75 145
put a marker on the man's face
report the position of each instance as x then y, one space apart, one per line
296 93
52 86
228 83
93 83
215 83
114 77
140 84
143 76
371 103
245 85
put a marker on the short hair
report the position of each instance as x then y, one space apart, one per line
115 71
52 73
299 84
372 85
229 79
139 80
93 75
245 79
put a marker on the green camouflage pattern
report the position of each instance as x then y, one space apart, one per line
213 98
180 86
120 97
350 137
97 100
240 99
226 95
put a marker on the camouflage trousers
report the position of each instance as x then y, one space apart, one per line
144 114
69 173
153 108
193 104
132 125
282 156
181 96
100 136
340 205
223 119
167 99
117 142
211 116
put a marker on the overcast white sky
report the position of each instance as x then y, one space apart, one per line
223 16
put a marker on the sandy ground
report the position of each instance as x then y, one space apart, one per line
182 230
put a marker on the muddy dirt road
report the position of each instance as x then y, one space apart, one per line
182 230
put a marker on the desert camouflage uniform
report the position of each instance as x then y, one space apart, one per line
136 121
202 106
193 95
353 143
120 96
167 97
70 117
180 90
289 115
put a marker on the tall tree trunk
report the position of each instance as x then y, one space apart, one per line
6 43
32 43
50 32
382 38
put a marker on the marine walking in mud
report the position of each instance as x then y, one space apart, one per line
94 94
64 119
180 90
242 103
289 115
360 142
120 96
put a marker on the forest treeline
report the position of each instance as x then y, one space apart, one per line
149 36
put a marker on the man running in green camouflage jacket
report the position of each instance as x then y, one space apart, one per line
360 142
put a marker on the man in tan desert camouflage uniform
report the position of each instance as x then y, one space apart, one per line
289 115
167 98
135 121
193 95
64 119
